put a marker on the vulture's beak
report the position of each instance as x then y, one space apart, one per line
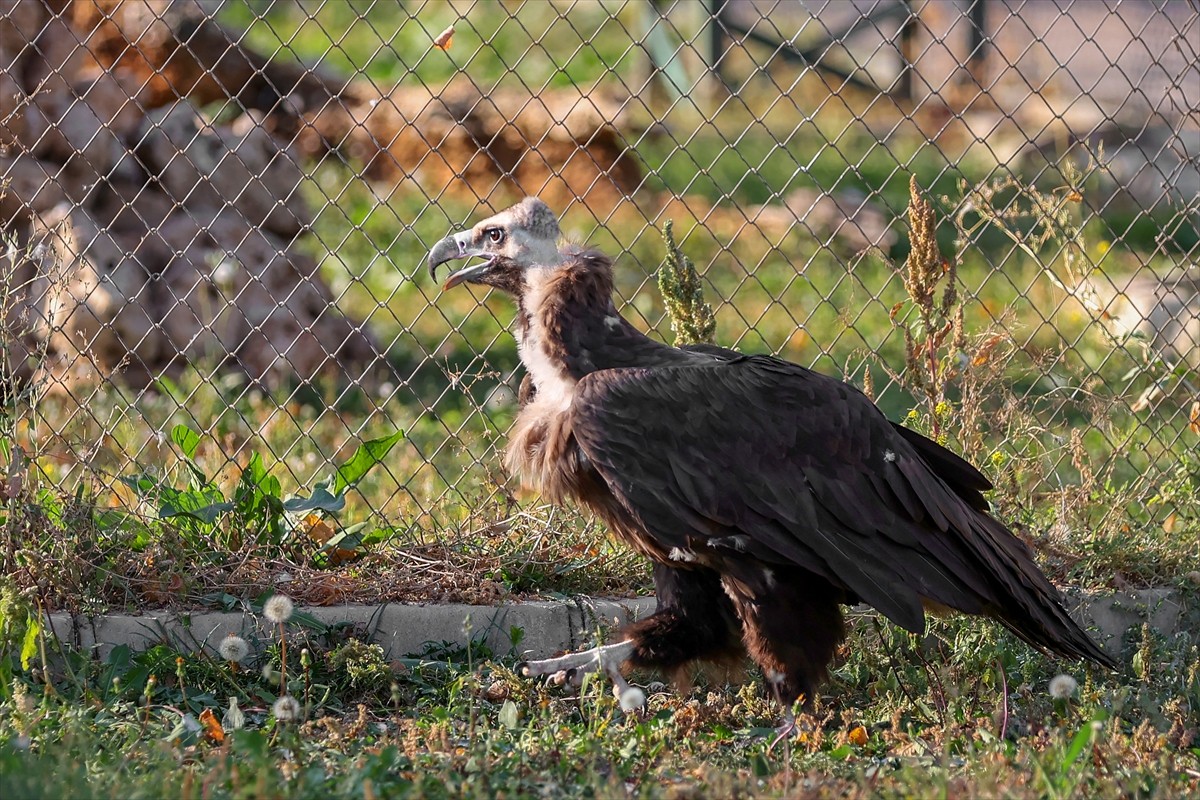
458 246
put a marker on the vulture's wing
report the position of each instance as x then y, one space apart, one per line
763 457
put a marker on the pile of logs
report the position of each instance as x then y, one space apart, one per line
140 239
140 236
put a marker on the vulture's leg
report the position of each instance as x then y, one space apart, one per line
792 625
572 667
694 620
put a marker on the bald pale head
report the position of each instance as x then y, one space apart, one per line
522 237
534 217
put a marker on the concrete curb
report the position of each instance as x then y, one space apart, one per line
401 628
548 626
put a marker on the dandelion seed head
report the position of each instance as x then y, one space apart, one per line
632 699
278 609
286 708
233 648
1062 686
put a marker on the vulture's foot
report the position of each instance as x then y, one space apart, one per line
571 668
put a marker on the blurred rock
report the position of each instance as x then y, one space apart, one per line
141 263
28 188
218 166
201 289
849 217
1165 309
99 304
20 23
560 145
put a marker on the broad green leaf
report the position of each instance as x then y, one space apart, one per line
841 753
376 536
365 457
142 484
187 439
1082 739
33 629
320 500
119 657
205 505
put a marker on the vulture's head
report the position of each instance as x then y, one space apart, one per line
518 238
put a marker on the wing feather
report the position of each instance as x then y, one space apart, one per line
811 474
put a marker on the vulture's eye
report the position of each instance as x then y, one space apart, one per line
494 235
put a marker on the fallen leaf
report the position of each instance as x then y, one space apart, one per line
318 529
212 726
858 736
442 42
340 555
1194 418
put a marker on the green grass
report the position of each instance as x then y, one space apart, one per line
902 717
389 43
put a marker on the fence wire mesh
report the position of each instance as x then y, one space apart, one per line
216 212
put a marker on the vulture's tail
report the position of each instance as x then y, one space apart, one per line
1017 593
1030 605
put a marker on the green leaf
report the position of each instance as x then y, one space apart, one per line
187 439
119 657
186 732
841 753
29 648
320 500
510 715
365 457
204 505
256 484
142 484
1082 739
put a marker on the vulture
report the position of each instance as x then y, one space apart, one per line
766 495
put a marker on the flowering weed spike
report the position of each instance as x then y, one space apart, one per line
692 318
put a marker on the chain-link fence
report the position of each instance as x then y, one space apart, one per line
215 215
